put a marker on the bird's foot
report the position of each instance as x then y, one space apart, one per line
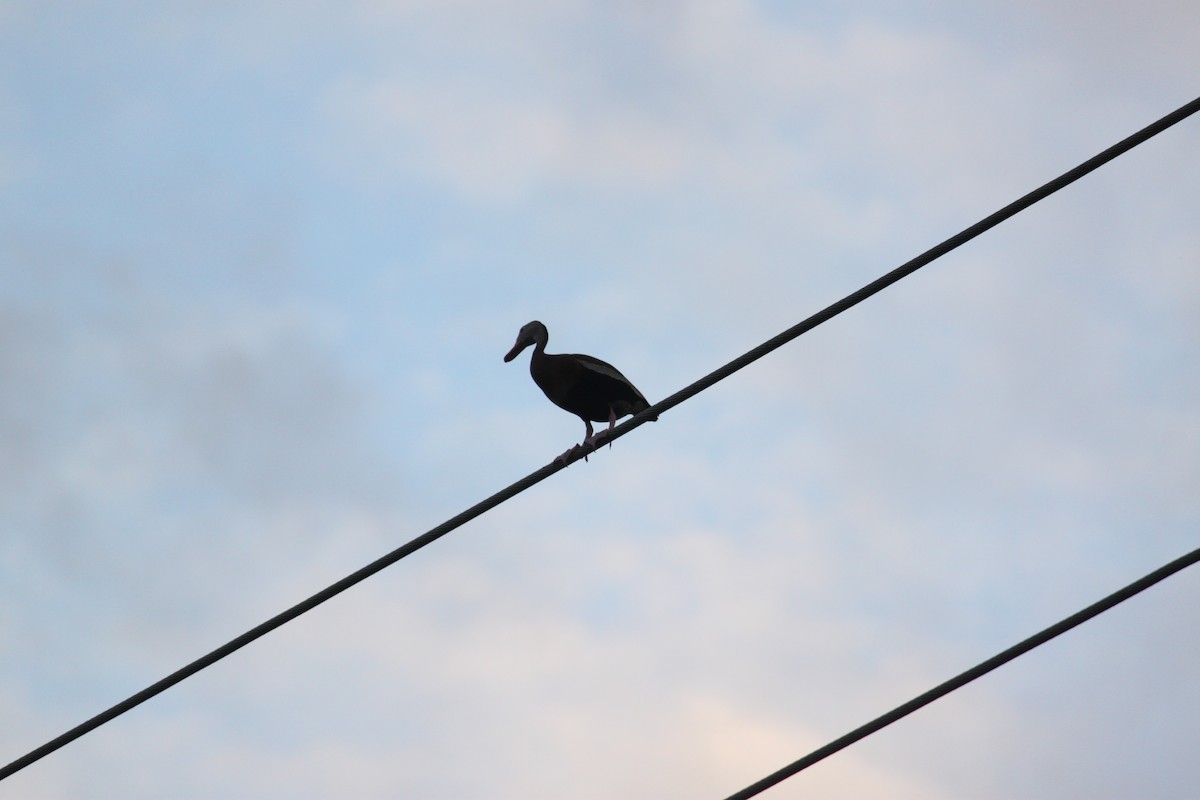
596 439
565 456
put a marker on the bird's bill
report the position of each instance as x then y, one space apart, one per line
516 349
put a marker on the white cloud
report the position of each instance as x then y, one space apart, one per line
938 473
491 147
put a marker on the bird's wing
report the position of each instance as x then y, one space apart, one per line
600 367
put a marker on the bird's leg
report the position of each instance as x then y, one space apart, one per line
612 422
587 439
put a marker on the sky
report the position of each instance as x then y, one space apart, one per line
260 262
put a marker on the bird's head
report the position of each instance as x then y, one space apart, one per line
532 333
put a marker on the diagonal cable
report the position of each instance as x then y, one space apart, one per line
979 670
717 375
908 268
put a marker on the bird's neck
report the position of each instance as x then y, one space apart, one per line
538 359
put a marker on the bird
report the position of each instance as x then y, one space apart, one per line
591 389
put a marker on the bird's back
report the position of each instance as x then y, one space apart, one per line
587 386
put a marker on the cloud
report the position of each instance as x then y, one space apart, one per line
241 377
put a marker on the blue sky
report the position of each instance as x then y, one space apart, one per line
259 264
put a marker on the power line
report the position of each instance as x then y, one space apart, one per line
904 270
963 679
536 477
